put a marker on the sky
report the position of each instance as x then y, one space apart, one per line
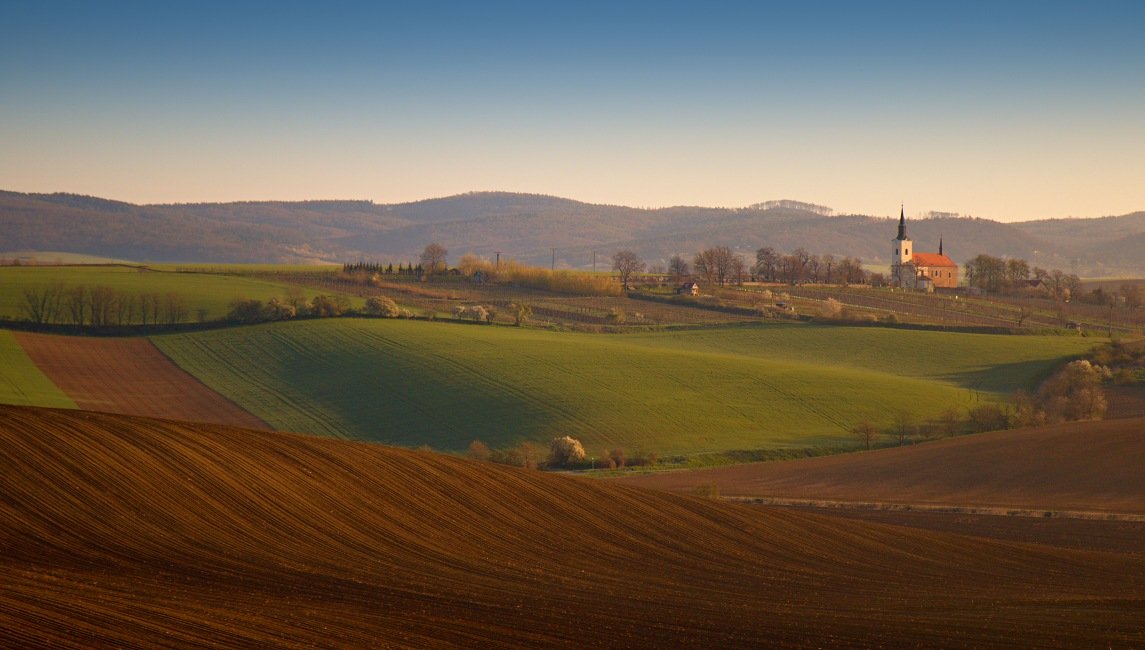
1006 110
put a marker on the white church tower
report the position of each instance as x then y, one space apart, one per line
902 248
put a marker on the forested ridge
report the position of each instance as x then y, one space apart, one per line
529 227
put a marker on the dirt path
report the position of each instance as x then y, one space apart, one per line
129 376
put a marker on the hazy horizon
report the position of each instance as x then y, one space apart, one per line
1011 112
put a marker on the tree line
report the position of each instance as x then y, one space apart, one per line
101 306
1009 276
720 265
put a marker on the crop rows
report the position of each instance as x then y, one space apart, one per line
445 385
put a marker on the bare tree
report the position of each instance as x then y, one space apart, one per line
101 305
827 262
866 432
41 305
717 264
626 264
906 427
75 299
175 308
433 258
678 268
738 271
766 261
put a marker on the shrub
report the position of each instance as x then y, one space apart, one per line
1074 393
614 459
831 308
643 459
382 306
478 451
616 316
521 313
279 310
246 311
523 455
988 417
475 313
324 306
565 451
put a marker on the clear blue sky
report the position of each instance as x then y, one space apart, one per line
1004 110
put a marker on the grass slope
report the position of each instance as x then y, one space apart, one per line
986 363
441 384
212 292
21 382
127 532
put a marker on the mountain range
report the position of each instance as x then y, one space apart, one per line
529 227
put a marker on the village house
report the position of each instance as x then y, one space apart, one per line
920 271
689 289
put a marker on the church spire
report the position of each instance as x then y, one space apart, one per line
902 223
940 244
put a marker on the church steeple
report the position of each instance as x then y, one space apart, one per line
902 223
940 244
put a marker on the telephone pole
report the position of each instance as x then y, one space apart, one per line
553 267
498 254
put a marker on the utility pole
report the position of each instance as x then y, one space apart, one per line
498 254
594 261
553 267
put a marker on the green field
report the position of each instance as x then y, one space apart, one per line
206 291
443 384
21 382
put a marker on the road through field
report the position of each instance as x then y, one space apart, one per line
129 376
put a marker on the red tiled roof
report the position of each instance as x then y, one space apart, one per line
931 259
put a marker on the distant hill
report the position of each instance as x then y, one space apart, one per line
130 532
528 227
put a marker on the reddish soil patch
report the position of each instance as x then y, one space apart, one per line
1125 401
1080 466
1087 534
129 376
126 532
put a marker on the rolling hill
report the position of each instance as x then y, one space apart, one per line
120 531
527 227
446 384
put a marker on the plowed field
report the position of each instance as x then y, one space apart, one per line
130 376
120 531
1076 467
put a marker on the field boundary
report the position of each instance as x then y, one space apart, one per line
826 504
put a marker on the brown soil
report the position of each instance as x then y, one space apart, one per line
1125 401
1076 467
129 376
1089 534
120 531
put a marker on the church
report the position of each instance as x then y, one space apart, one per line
922 271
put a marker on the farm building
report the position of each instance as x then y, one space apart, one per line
924 271
689 289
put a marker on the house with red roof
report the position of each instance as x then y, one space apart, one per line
922 271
